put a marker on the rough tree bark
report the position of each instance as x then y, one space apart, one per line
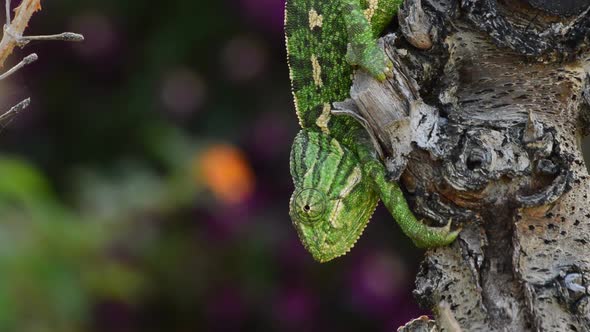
482 123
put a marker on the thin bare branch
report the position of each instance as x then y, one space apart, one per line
65 36
13 36
8 18
26 61
16 28
7 117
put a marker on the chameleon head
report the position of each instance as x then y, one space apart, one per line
332 202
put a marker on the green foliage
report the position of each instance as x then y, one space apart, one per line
53 261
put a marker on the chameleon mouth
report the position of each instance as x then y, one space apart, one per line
326 239
326 257
351 240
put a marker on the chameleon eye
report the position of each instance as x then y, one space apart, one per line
309 205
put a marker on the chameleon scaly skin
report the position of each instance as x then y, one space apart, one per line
338 178
333 200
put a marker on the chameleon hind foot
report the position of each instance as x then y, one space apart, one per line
425 236
372 59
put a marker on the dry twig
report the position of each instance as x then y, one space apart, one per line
13 36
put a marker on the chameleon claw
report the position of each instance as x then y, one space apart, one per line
428 237
373 60
380 77
380 73
389 69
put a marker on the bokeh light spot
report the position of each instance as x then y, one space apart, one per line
183 91
226 172
376 281
382 275
99 33
244 59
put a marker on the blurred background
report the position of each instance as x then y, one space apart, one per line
147 186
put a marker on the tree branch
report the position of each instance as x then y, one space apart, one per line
488 122
16 27
13 36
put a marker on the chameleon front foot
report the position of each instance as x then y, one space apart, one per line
373 60
391 195
425 236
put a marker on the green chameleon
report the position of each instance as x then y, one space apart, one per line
338 176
